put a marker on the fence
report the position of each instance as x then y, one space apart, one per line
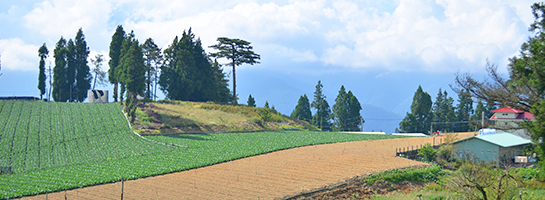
411 152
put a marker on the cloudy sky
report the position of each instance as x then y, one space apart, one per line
381 50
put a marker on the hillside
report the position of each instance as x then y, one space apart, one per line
47 146
178 117
39 135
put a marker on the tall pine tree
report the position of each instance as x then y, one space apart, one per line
302 109
339 112
153 59
188 74
71 70
115 56
61 90
443 111
464 111
418 119
251 101
133 73
83 72
322 115
354 115
43 53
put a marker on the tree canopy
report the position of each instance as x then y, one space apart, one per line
188 74
251 101
238 52
302 109
346 111
418 120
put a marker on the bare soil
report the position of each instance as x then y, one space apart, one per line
275 175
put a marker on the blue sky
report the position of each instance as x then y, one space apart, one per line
381 50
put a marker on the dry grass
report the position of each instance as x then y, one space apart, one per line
187 113
176 117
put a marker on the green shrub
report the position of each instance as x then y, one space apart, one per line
428 153
409 174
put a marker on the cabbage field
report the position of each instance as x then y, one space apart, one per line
39 135
57 146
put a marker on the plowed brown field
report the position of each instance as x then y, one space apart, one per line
268 176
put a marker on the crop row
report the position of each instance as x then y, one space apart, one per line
203 150
37 135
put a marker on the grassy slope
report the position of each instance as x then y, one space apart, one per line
151 159
174 117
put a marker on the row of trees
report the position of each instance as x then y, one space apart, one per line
183 71
72 77
345 115
444 115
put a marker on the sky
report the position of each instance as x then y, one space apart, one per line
380 50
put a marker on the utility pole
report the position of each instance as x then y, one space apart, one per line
482 119
50 86
361 121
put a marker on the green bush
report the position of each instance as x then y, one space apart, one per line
409 174
428 153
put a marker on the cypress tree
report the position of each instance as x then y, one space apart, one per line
115 53
70 70
43 53
340 111
83 72
60 84
354 115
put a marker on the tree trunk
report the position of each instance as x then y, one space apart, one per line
234 85
94 82
115 92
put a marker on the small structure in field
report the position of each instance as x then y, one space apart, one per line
97 96
499 147
411 134
355 132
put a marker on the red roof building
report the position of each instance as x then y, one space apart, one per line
509 120
511 114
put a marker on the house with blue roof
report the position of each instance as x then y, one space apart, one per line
497 148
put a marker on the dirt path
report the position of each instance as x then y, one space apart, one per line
269 176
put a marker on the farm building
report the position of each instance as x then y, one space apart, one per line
97 96
508 119
411 134
499 147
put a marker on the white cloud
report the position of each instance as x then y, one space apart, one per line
56 18
16 55
428 35
441 35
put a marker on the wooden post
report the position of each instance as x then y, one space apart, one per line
121 188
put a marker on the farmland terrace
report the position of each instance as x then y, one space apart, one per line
50 147
273 175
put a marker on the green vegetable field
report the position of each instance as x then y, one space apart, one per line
57 146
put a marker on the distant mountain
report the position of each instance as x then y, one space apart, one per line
379 119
